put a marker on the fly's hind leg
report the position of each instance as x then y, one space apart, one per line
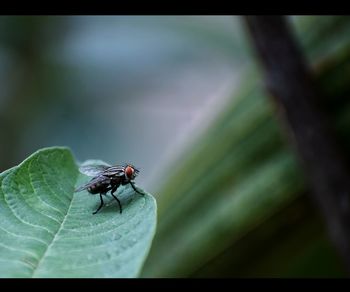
101 194
100 204
112 193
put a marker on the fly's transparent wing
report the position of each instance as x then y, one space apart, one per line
93 170
99 179
83 187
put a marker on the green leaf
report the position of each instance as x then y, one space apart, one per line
47 230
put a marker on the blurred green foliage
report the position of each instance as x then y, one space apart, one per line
236 203
108 87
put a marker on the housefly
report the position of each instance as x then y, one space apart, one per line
108 178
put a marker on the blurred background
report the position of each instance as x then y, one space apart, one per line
182 98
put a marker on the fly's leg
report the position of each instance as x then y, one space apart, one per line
135 189
101 194
112 193
100 204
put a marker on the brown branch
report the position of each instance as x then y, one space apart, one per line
289 80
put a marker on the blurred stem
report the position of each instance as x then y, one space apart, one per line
290 82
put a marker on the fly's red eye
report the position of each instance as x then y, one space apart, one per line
129 171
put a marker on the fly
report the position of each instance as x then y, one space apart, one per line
108 178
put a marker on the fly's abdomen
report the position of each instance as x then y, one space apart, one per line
94 189
99 187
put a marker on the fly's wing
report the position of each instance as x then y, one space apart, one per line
100 173
83 187
95 180
93 170
114 171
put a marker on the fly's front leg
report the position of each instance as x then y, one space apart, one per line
133 186
112 193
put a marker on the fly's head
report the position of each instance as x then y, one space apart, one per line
130 172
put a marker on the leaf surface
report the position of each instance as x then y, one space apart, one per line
47 230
